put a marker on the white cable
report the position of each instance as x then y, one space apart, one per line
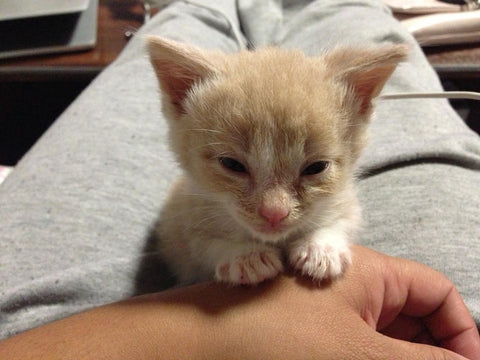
434 95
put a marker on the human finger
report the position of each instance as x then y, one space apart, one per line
427 295
399 349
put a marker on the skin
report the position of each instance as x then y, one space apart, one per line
382 308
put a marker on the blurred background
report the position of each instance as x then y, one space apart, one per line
50 50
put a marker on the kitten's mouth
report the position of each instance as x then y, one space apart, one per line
269 229
270 236
271 233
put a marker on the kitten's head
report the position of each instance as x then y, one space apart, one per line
272 134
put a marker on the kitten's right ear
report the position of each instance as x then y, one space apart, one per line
178 67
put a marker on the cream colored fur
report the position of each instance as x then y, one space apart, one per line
275 112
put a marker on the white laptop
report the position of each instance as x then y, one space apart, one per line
18 9
33 27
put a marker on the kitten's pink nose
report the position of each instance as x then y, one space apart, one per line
274 214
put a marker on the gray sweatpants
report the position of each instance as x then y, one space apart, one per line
76 214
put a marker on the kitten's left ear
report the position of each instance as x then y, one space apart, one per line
365 71
178 67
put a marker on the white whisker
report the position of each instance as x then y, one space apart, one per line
207 197
208 144
204 130
206 219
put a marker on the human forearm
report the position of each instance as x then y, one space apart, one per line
147 327
205 321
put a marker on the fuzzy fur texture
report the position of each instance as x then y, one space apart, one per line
268 142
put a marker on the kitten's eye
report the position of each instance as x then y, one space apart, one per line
315 168
233 165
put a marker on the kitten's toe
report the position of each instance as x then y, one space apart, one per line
251 268
320 260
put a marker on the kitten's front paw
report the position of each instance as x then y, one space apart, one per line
250 268
320 258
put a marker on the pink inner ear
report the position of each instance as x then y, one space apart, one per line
365 93
177 88
176 82
367 85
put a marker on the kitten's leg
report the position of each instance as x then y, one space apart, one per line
323 254
248 263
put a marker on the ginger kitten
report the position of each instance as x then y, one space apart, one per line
267 141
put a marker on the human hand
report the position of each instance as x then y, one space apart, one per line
383 308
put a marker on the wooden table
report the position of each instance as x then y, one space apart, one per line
115 17
455 62
49 83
